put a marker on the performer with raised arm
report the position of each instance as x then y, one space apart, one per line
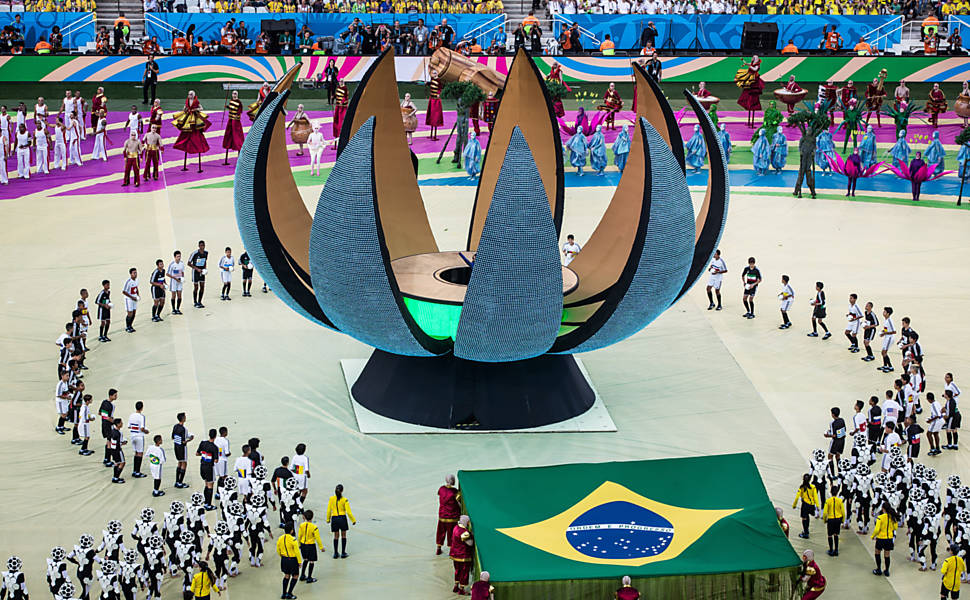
192 123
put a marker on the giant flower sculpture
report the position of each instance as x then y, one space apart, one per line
481 336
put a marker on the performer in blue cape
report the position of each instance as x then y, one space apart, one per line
621 149
762 153
597 151
779 150
577 150
867 148
724 138
696 150
900 150
824 147
935 153
472 155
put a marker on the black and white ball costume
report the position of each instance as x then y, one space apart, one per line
13 584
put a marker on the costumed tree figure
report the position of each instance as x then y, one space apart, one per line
473 156
851 120
724 138
621 148
812 122
936 104
612 104
935 153
748 79
597 151
875 95
773 118
779 150
917 173
762 154
900 150
192 123
557 91
253 109
902 114
232 139
695 150
577 150
467 95
712 113
867 148
435 116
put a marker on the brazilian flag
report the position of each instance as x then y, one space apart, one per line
680 528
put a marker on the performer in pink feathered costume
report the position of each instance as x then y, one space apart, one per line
916 173
852 168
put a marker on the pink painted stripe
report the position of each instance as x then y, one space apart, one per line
67 70
241 73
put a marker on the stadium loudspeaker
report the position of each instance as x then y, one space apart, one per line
759 37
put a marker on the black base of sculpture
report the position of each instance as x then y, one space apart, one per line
452 393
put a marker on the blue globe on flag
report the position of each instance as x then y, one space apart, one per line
620 530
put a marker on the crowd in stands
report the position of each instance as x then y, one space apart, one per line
340 6
767 7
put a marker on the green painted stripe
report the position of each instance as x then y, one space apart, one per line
951 204
31 68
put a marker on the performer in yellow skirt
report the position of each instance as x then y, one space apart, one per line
253 108
192 123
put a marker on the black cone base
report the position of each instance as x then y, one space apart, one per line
453 393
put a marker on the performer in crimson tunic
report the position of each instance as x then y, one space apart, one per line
811 576
831 96
155 115
555 74
232 139
99 108
875 94
435 117
748 78
627 592
448 512
253 109
482 589
612 104
793 87
342 95
461 553
490 110
936 104
846 94
192 123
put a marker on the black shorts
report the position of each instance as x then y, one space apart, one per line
807 510
206 471
869 334
875 434
912 450
819 312
338 523
289 566
751 292
197 277
885 545
308 551
833 526
954 421
945 593
158 293
180 452
104 314
837 446
247 273
105 429
117 455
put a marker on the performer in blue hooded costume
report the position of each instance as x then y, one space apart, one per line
762 153
962 157
724 138
577 150
779 150
900 150
935 153
695 150
597 151
472 155
621 149
867 148
824 147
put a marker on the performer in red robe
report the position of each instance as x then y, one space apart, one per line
448 512
490 110
253 109
342 96
612 104
153 152
461 553
435 117
793 87
192 123
811 576
482 589
232 139
846 94
748 78
875 94
99 108
627 592
831 95
936 104
155 115
555 74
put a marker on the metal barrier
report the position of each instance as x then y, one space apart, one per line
87 19
558 20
